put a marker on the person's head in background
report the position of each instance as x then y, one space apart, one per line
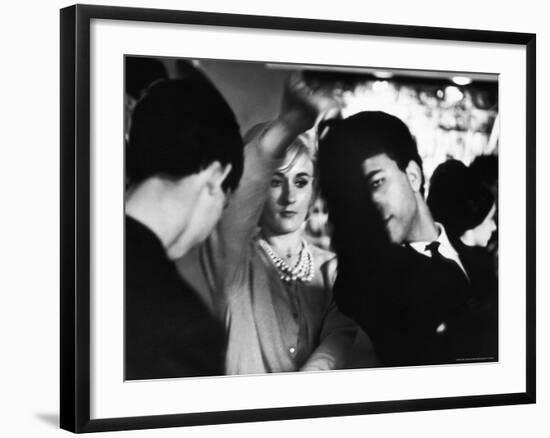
317 224
458 200
485 167
184 156
370 169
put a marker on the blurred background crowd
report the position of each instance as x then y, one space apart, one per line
452 116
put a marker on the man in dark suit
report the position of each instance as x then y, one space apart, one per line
422 296
184 155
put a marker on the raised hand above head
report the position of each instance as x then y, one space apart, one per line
303 104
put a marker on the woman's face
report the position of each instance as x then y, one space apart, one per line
481 234
290 195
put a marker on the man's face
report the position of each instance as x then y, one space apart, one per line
208 200
212 212
393 196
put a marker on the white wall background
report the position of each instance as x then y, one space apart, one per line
29 218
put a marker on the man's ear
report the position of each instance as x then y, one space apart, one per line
215 176
414 174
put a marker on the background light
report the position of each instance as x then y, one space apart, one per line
383 74
461 80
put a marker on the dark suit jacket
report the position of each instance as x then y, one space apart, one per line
419 311
169 331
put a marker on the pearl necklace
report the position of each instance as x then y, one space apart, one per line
302 271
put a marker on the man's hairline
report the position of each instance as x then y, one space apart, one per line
394 160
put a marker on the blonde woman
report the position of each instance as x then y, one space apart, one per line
270 287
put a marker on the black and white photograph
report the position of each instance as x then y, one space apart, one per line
299 218
272 218
275 219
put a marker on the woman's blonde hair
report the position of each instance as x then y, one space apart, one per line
302 145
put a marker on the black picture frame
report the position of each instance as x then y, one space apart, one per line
76 210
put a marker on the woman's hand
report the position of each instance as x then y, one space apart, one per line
304 104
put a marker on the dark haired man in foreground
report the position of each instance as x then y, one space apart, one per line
184 156
422 296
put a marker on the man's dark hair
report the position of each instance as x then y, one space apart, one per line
347 143
344 145
180 127
141 72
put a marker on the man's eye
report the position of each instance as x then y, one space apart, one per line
276 183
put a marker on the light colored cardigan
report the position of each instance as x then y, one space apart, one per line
271 326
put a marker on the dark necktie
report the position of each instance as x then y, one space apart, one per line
434 249
451 264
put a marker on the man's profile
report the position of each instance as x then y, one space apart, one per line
183 158
422 296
